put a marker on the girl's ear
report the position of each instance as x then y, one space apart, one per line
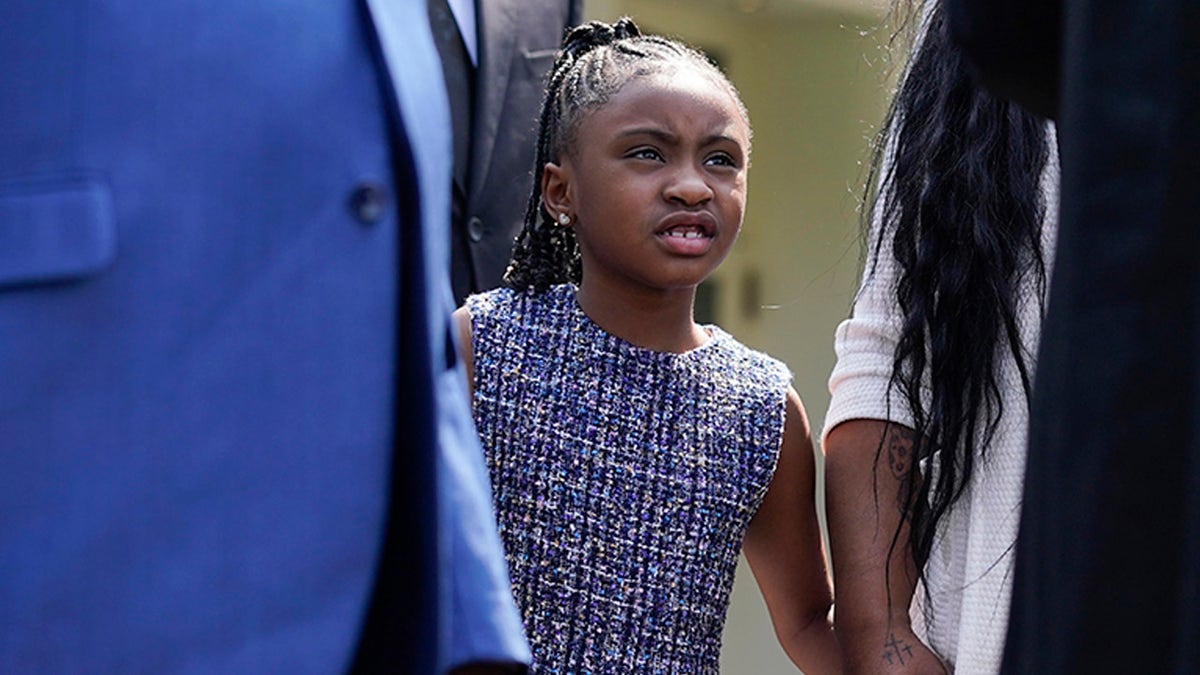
556 189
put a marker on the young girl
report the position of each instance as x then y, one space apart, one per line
632 451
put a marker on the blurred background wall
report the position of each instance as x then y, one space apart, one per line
814 77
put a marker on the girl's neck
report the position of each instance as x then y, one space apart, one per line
657 320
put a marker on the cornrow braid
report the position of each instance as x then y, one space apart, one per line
597 59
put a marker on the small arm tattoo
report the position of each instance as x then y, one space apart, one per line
899 451
898 443
896 652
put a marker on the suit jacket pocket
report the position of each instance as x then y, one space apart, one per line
55 231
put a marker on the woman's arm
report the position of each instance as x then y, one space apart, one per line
784 549
873 568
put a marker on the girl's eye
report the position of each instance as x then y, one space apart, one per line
721 159
646 153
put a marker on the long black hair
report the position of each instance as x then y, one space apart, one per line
596 60
955 194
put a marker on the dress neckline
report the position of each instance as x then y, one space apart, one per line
569 295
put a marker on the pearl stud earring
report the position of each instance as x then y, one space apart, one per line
564 219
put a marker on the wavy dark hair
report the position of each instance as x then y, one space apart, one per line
596 60
955 194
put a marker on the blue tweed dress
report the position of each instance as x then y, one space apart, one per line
623 478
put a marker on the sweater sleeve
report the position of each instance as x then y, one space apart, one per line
865 344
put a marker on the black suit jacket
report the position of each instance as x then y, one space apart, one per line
1013 48
1108 557
518 40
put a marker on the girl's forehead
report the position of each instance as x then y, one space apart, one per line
686 95
682 76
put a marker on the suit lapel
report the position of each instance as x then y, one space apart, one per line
419 92
497 46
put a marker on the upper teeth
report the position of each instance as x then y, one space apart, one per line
686 234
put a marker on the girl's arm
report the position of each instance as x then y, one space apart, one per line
462 324
874 589
784 549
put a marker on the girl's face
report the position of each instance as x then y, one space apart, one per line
656 182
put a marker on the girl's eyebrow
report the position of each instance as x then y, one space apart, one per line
654 132
668 137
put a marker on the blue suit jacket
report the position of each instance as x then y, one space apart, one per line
223 304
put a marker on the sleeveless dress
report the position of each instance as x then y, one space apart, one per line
623 479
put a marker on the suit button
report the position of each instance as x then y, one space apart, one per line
368 202
475 228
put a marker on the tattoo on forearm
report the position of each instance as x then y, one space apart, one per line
896 652
899 451
899 444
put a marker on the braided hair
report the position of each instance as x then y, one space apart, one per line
959 200
596 60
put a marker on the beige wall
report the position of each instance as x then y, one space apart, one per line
814 87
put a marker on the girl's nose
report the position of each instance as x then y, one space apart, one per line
688 187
